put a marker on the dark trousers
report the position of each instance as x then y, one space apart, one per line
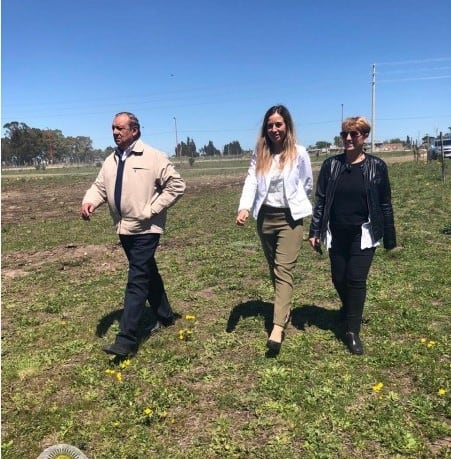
144 284
350 267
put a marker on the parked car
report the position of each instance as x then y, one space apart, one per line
435 150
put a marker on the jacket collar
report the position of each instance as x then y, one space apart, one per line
136 148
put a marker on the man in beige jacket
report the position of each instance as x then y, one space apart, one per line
139 183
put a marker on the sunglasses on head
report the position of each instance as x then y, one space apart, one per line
353 134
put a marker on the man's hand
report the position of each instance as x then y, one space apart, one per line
87 210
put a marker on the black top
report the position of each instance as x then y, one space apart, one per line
377 184
350 206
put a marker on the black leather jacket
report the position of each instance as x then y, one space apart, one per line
377 185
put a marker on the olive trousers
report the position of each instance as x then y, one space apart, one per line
281 239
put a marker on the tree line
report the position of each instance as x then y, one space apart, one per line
23 145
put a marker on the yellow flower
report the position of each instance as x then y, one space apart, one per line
441 392
163 414
119 376
423 340
108 371
125 364
190 317
431 343
116 423
378 387
147 411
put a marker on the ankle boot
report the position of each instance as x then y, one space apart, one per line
354 343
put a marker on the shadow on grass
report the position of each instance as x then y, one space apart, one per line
325 319
254 308
301 317
147 327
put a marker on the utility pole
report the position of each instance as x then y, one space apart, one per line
177 141
373 108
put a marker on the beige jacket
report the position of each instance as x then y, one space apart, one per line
150 185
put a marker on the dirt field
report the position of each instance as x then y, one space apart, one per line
31 201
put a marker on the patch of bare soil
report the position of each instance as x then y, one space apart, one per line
18 264
34 202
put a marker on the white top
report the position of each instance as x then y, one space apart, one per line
297 180
276 192
366 241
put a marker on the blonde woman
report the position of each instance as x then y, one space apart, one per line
276 190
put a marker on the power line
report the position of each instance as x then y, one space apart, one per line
440 77
416 61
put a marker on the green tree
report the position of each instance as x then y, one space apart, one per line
210 149
188 148
24 143
337 141
323 144
233 149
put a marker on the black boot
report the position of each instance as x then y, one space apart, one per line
355 346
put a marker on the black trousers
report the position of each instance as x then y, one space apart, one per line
144 284
350 266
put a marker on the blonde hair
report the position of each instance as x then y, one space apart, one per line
357 123
264 147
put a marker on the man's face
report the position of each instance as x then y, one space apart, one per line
123 134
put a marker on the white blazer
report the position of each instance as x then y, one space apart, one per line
297 181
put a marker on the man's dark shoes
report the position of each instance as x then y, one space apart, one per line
166 322
354 343
154 328
119 350
169 321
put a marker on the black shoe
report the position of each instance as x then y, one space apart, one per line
168 321
119 350
273 346
355 346
153 328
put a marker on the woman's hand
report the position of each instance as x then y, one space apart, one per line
314 242
242 216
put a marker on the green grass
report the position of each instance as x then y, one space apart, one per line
215 394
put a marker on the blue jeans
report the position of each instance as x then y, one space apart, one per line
350 266
144 284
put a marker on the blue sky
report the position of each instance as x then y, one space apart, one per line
218 65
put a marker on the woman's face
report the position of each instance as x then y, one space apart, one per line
276 129
353 140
